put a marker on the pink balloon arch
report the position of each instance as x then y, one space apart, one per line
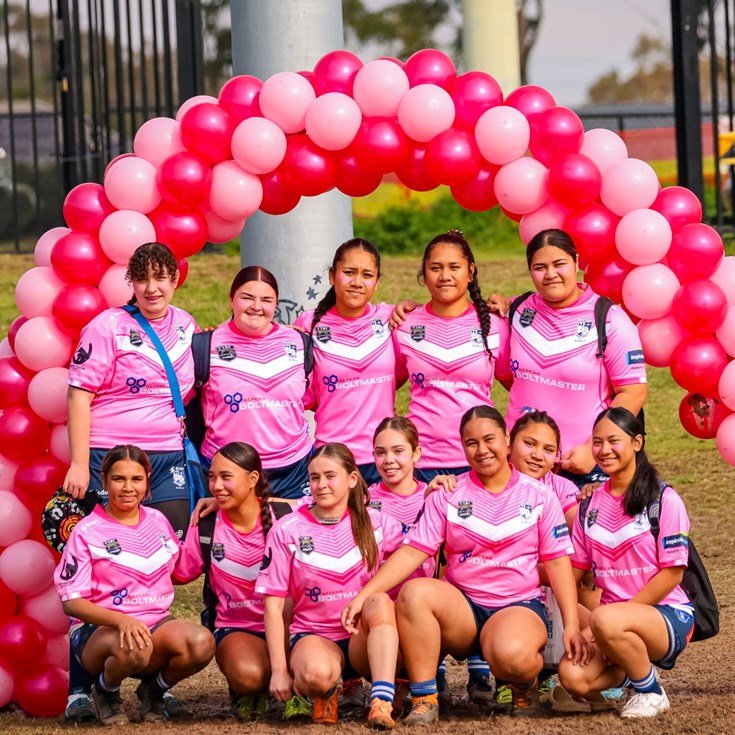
264 145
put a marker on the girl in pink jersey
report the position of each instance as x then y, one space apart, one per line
115 578
353 384
257 380
644 616
496 526
321 556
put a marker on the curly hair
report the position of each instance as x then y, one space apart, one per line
153 256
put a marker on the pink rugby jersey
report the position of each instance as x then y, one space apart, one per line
320 567
117 362
622 552
235 563
450 372
354 381
493 541
555 368
255 394
565 490
119 567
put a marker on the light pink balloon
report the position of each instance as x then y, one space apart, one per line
8 468
45 607
643 236
157 139
27 567
235 194
724 277
193 102
5 349
726 386
36 290
630 184
40 344
130 183
114 286
122 232
549 216
42 251
47 394
726 439
379 87
15 519
222 230
502 134
284 98
604 147
659 338
425 111
59 443
332 121
648 290
57 651
520 185
726 332
7 684
258 145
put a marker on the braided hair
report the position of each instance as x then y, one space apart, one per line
456 238
330 298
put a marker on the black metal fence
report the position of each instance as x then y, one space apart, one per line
80 77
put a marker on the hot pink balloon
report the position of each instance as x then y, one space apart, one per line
530 100
335 72
277 197
59 444
78 258
520 185
24 434
592 228
308 169
7 684
193 102
643 236
679 205
452 158
701 415
574 180
332 121
45 608
8 470
430 66
85 208
724 277
555 133
40 344
473 93
425 111
477 194
697 363
696 252
659 338
184 231
549 216
648 291
114 286
27 567
379 88
130 183
222 230
239 97
631 184
15 519
184 180
258 145
725 333
42 251
36 290
235 194
157 139
352 179
502 134
285 98
123 232
76 306
726 386
14 381
47 394
380 145
726 439
57 651
604 147
700 306
206 131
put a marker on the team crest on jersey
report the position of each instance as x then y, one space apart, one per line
525 511
112 546
226 352
377 504
166 543
178 477
464 509
290 351
218 551
583 329
135 339
527 317
418 332
306 544
322 334
638 524
181 332
476 337
378 327
591 518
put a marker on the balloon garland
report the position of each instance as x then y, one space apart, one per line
264 145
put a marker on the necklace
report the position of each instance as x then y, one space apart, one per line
326 521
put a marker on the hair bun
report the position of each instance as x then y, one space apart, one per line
459 233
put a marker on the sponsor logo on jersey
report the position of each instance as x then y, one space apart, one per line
322 334
135 339
583 329
671 542
81 355
378 327
634 357
181 332
226 352
306 544
514 367
377 504
71 567
331 382
135 384
218 551
290 351
112 546
525 510
178 477
418 332
592 518
560 531
476 337
464 509
527 317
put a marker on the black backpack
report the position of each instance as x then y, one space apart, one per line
201 345
696 581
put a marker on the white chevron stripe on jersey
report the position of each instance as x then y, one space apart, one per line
234 569
337 564
351 351
492 531
175 352
551 347
447 355
128 560
612 540
257 369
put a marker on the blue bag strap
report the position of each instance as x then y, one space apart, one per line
173 381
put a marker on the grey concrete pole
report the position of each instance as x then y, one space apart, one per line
270 36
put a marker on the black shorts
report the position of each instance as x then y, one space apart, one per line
344 645
221 633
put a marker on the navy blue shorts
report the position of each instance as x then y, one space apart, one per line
679 624
428 474
168 476
369 473
221 633
291 481
344 645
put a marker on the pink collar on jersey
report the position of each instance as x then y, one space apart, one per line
386 489
100 511
586 295
475 479
236 330
333 311
304 510
470 307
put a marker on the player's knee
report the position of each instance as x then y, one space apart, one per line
200 645
605 623
379 609
574 678
416 596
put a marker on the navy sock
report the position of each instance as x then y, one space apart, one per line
477 667
648 683
423 688
80 680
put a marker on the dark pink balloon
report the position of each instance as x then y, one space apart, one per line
592 228
474 92
183 231
78 258
15 325
336 72
574 180
239 97
22 642
86 207
380 145
184 180
37 478
697 363
430 66
700 306
307 168
206 131
14 380
606 277
515 216
679 205
696 252
477 194
352 179
412 173
701 415
555 133
530 100
41 692
452 157
277 197
23 434
75 306
8 601
183 267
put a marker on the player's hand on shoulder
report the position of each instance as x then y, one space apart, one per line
499 304
204 507
441 482
401 310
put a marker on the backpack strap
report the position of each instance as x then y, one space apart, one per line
206 532
584 506
654 508
308 354
201 345
602 307
515 304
